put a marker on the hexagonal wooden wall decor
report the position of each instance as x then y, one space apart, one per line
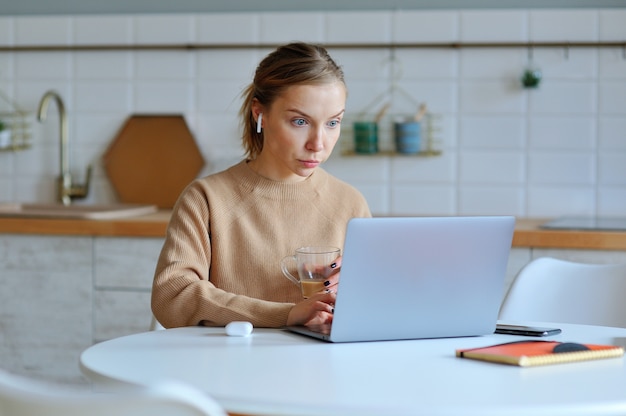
152 159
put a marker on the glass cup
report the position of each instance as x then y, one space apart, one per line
313 266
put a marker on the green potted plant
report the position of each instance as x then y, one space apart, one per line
531 78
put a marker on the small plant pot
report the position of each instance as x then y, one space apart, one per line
531 78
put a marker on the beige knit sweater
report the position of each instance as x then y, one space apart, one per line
221 258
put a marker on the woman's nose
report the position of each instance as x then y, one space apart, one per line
316 141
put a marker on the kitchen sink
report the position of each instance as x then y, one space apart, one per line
587 223
56 210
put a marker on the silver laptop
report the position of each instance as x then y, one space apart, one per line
419 277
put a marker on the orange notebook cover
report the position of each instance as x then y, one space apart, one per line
534 353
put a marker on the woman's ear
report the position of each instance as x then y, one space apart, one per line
257 114
256 108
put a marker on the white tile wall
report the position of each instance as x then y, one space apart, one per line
103 30
361 27
612 97
491 167
556 150
611 133
612 65
40 30
493 97
562 133
611 24
307 27
425 26
488 132
164 29
547 201
573 25
489 25
491 200
227 28
610 200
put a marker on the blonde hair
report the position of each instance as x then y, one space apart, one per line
296 63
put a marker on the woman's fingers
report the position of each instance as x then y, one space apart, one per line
334 267
332 273
324 301
317 309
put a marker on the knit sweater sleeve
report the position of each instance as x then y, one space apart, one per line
183 294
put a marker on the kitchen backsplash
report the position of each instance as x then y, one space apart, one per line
555 150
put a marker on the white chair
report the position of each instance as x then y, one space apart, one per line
154 325
553 290
21 396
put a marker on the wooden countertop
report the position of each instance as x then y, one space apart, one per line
529 234
150 225
527 231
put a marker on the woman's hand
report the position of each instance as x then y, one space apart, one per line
316 310
319 308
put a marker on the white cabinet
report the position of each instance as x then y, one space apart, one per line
45 304
61 294
123 273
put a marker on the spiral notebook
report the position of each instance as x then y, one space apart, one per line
419 277
536 353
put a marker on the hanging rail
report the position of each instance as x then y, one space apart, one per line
208 46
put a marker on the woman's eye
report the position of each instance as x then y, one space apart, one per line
334 123
299 122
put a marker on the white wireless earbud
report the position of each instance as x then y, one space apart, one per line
259 120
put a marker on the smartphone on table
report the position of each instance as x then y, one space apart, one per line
530 331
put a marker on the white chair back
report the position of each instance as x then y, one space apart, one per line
21 396
155 325
553 290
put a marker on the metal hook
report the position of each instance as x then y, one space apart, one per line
395 66
566 52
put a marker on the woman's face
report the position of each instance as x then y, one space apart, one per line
300 130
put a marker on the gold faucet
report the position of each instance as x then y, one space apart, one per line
65 188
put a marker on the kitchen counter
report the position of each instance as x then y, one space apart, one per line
149 225
527 231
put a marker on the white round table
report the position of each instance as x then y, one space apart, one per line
275 372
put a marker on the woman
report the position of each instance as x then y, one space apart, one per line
221 258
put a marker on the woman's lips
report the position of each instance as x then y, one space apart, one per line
310 163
